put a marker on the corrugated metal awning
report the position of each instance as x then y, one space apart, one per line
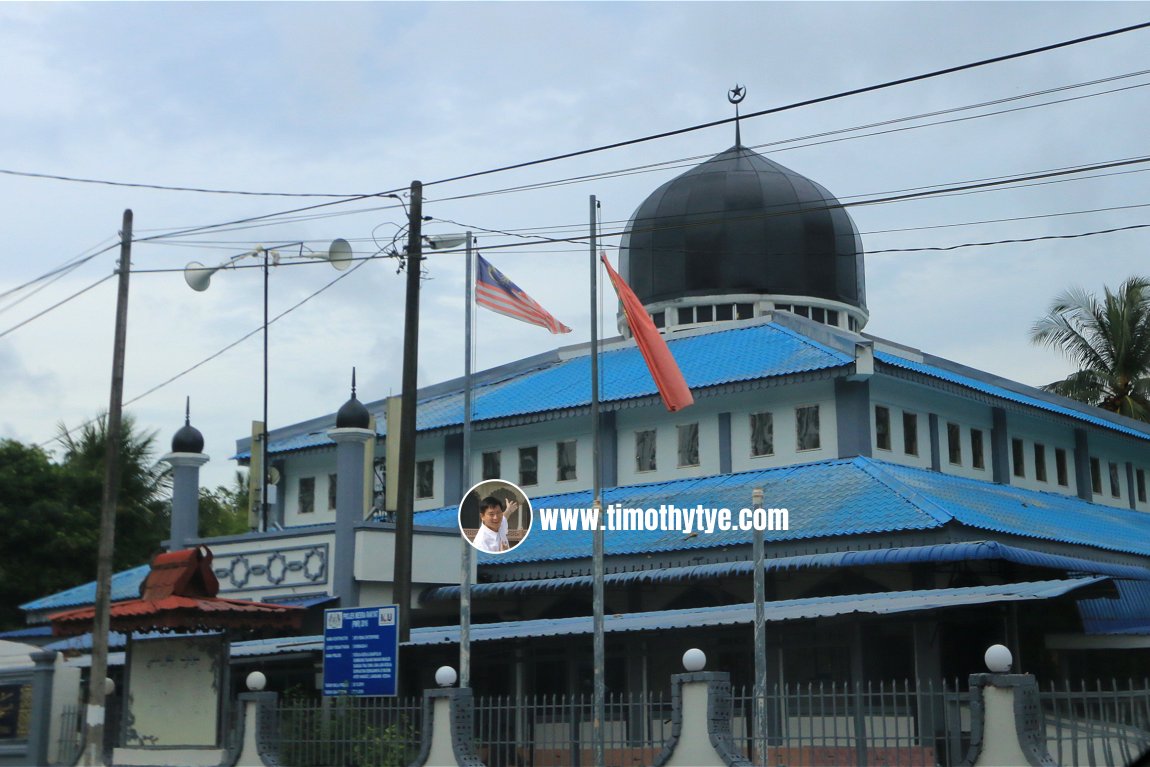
744 614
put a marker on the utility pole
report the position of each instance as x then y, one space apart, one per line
94 724
405 501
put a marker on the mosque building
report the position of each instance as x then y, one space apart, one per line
931 509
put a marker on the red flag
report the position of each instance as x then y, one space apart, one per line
668 378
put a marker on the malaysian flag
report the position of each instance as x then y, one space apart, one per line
499 294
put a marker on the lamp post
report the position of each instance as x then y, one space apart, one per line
199 278
405 479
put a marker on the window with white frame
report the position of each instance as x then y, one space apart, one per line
645 453
1040 462
762 434
688 444
332 490
977 453
425 479
306 503
882 427
1060 471
807 428
910 433
529 465
565 460
954 443
491 464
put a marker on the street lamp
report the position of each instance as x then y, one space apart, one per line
199 277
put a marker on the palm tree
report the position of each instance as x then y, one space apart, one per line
142 508
1109 342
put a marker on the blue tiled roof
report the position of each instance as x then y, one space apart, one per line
125 585
830 499
1128 614
964 551
1015 511
849 497
1011 395
726 356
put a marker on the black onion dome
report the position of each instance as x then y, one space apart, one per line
188 440
353 415
740 223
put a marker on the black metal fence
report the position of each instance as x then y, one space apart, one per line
1098 723
541 731
348 732
893 724
896 724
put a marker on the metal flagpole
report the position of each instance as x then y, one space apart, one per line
599 690
465 574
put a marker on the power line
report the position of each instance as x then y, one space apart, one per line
661 165
63 268
57 305
164 187
679 131
1013 241
798 104
220 352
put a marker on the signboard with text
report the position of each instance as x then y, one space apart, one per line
360 651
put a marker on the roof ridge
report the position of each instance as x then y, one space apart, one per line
803 338
877 470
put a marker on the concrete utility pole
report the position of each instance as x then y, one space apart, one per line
405 500
94 724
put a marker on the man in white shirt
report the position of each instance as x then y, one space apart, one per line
492 534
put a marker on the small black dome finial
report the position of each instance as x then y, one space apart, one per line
188 439
353 414
736 95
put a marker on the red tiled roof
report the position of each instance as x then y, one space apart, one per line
179 594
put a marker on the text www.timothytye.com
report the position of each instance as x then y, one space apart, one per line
666 518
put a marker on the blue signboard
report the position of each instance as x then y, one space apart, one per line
360 651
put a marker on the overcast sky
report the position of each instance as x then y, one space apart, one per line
361 98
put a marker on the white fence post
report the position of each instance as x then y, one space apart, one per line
1005 716
446 736
700 718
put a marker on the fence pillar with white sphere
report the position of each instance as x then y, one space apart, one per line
1005 716
256 731
446 736
701 718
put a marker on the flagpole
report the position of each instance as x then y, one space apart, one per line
465 574
599 690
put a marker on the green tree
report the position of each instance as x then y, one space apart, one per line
142 510
223 511
47 541
1108 340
